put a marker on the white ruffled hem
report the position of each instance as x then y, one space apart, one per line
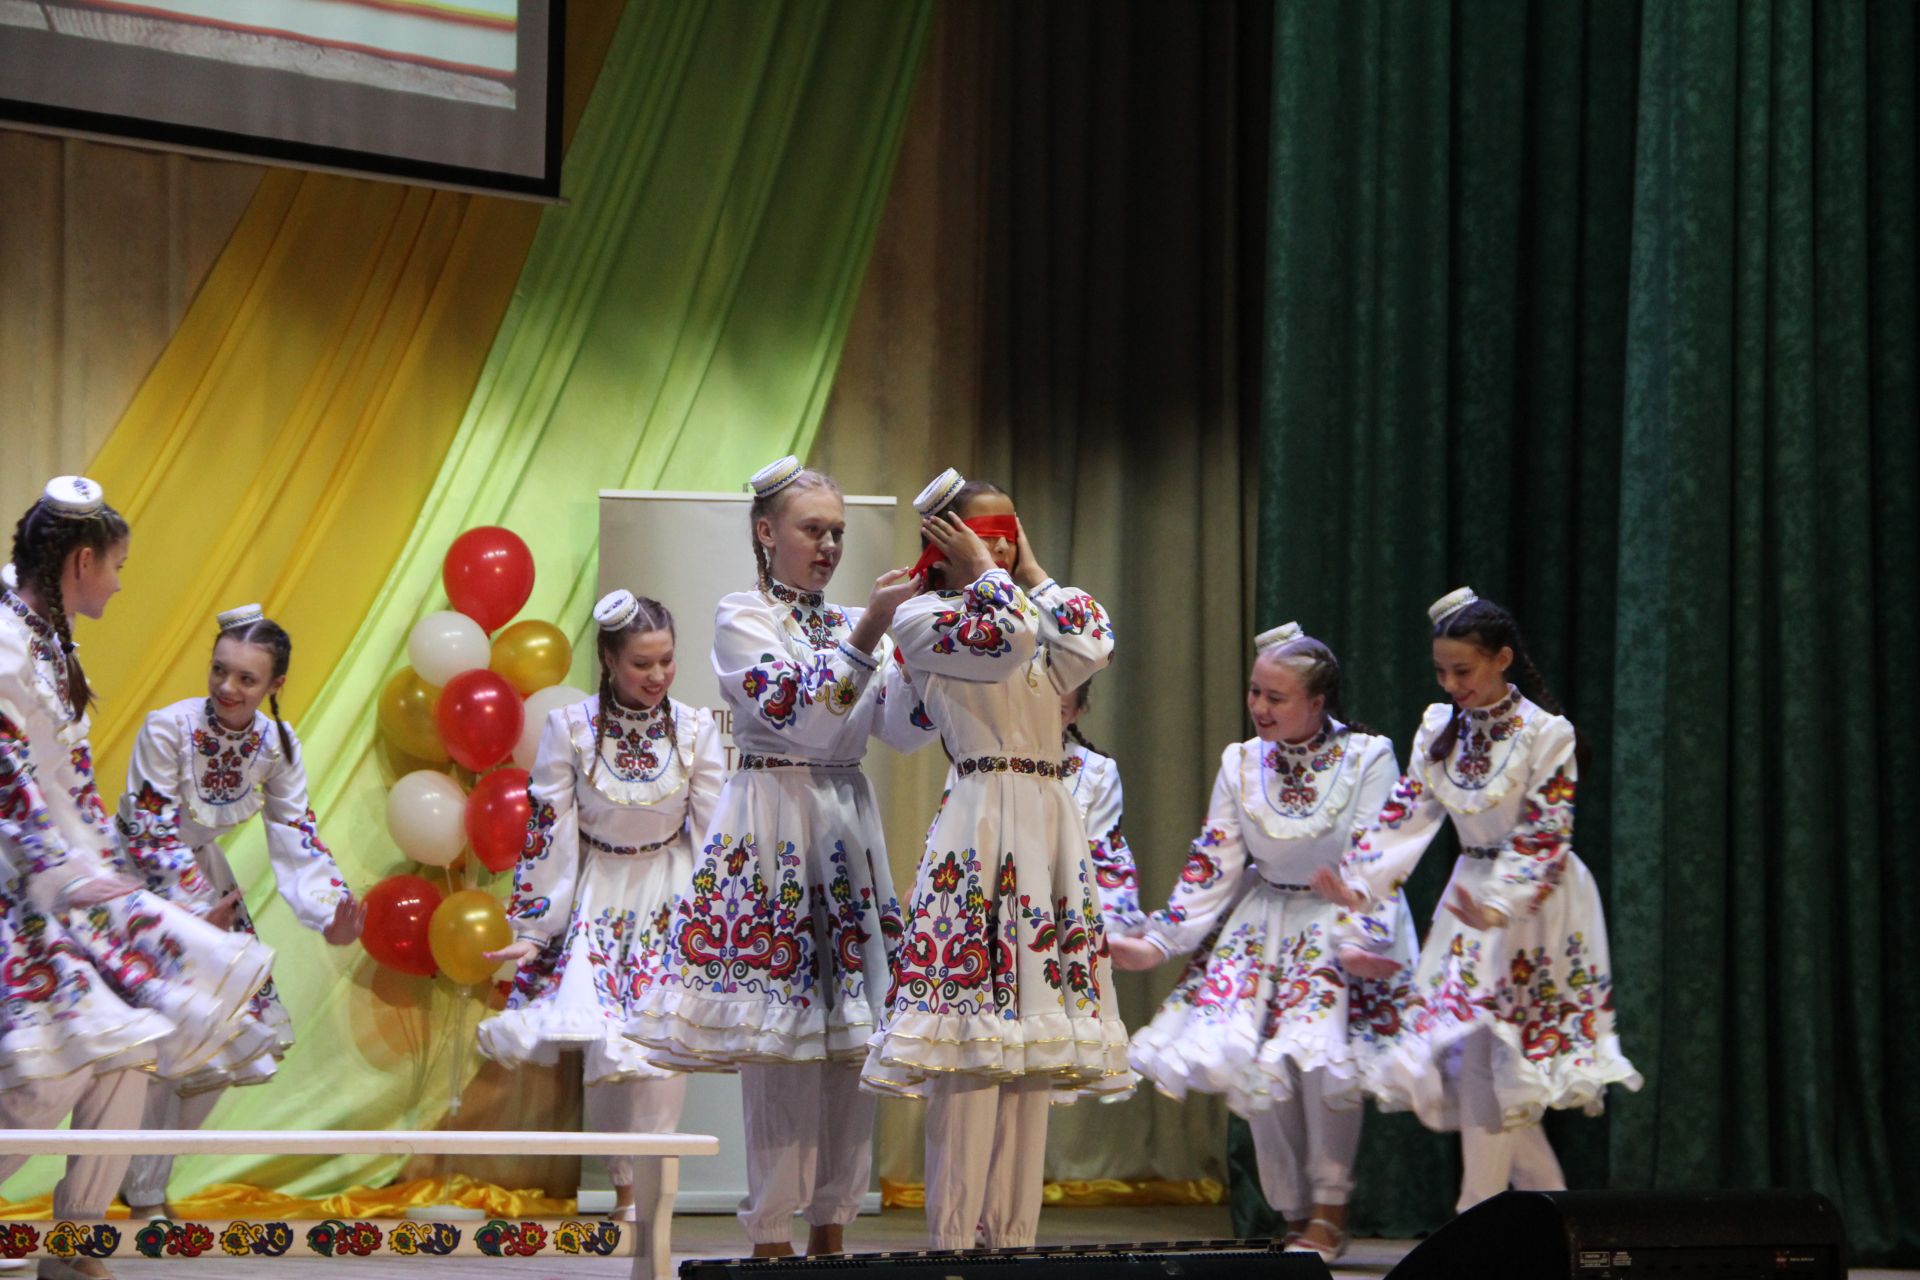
48 1051
1526 1091
537 1036
714 1031
1087 1056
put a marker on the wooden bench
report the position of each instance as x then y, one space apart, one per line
648 1242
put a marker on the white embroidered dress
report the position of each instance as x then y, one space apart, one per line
609 846
1004 969
1264 996
778 949
1094 782
130 981
192 781
1543 983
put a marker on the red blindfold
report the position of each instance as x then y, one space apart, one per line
988 527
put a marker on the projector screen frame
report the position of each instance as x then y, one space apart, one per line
112 127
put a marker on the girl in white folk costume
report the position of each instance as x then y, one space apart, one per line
777 957
200 769
1093 778
1514 994
1270 1011
622 784
1002 993
102 979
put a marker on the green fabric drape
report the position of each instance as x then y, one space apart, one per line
1610 312
675 326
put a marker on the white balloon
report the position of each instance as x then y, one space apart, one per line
542 703
442 645
427 817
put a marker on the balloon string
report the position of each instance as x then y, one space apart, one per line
457 1060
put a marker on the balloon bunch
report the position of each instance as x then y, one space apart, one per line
478 702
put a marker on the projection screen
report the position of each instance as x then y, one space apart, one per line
458 92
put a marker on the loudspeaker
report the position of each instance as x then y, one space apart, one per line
1637 1235
1172 1260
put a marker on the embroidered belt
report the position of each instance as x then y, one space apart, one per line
1485 851
1007 764
749 760
624 850
1288 888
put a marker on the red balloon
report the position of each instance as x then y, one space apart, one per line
480 717
498 813
399 910
488 574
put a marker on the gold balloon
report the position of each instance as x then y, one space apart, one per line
405 712
464 928
531 655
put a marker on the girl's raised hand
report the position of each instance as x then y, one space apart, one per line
891 590
1026 567
967 556
1133 953
1362 963
349 917
1473 914
221 917
519 952
1328 884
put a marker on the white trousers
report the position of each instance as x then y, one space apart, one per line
146 1180
1305 1148
986 1159
809 1145
110 1100
1493 1156
636 1106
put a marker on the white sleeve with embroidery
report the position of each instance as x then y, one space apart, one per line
28 837
801 698
1112 859
1076 632
549 866
149 819
303 867
1384 851
903 722
1535 854
985 633
1215 863
708 775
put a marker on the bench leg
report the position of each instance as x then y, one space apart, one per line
653 1243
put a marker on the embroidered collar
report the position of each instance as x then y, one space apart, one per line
1301 750
219 726
35 623
1506 709
788 595
51 668
640 715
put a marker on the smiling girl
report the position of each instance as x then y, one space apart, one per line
1270 1012
102 978
777 959
1514 995
621 785
200 769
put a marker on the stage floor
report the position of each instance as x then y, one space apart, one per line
719 1236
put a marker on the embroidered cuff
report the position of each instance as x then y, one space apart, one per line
865 661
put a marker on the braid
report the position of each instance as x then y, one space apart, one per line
1534 684
43 541
600 720
1444 742
1073 731
286 739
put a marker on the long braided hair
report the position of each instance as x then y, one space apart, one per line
769 508
272 637
650 616
1490 628
1081 700
1318 671
42 542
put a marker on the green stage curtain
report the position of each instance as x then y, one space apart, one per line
1609 311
